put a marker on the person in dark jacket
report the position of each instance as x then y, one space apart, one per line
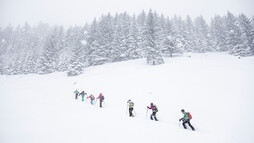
76 94
155 110
185 120
131 106
101 97
83 95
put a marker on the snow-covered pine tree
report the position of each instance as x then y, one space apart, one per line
133 51
12 43
141 38
126 26
84 33
213 35
74 42
189 35
23 46
5 40
174 37
245 47
30 46
153 52
160 33
218 33
48 61
201 32
118 48
181 36
61 63
40 35
177 39
105 32
233 38
93 44
248 34
169 43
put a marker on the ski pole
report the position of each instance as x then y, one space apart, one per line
146 111
126 108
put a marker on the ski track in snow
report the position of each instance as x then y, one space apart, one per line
216 88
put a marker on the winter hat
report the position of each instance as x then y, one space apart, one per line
182 110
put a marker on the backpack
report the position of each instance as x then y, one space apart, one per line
155 109
76 92
189 115
102 97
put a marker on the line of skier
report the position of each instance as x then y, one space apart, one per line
186 118
92 97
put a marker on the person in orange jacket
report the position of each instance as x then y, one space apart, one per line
101 97
92 98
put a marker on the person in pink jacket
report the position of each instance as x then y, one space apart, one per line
155 110
92 98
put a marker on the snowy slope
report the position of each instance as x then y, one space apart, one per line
216 88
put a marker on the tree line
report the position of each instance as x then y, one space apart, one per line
44 49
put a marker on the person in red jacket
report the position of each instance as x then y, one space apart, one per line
92 98
101 97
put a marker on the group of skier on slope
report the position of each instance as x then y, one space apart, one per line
92 98
186 118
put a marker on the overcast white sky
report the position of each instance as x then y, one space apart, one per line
77 12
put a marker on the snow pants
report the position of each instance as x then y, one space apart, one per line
83 96
92 102
188 122
154 115
130 111
101 104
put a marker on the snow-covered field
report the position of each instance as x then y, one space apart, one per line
216 88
